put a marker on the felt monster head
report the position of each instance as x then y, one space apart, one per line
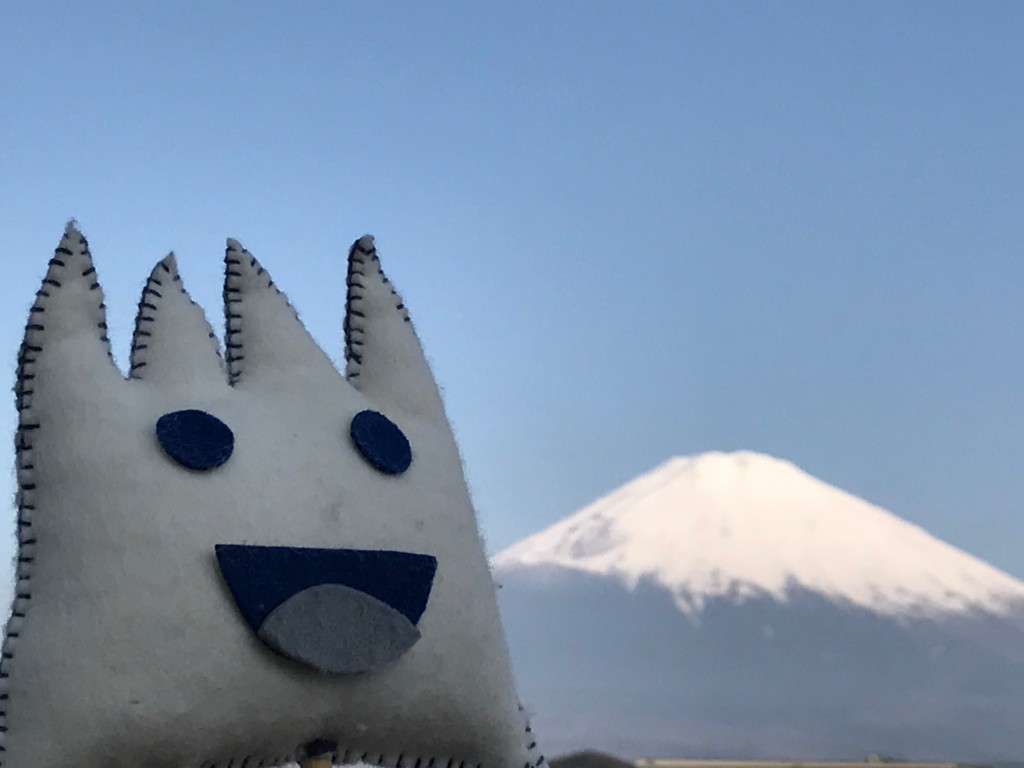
233 563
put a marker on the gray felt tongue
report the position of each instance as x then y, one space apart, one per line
335 628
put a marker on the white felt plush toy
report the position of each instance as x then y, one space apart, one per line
248 561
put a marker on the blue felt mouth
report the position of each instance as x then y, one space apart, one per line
336 610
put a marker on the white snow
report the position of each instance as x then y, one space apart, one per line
742 524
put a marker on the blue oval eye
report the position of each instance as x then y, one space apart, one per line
195 439
381 442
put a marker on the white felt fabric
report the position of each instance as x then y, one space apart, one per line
125 646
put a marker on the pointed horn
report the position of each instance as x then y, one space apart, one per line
67 325
266 342
173 344
385 359
65 351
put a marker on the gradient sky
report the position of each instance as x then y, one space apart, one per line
625 231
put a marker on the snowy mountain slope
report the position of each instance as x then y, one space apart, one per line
732 605
745 525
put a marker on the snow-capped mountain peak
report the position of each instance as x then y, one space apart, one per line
744 524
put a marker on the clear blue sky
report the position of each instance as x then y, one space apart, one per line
625 230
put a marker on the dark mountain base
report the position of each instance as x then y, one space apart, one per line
625 671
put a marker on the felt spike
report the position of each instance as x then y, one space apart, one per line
266 342
173 343
65 347
384 356
67 323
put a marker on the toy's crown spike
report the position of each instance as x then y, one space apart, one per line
67 322
384 356
173 343
264 338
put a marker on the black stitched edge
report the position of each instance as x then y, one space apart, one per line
360 261
536 760
234 342
147 312
28 426
345 756
232 319
135 361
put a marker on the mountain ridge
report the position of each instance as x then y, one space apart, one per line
745 524
733 605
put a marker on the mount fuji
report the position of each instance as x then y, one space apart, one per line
732 605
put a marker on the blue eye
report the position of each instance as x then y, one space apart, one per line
381 442
195 439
